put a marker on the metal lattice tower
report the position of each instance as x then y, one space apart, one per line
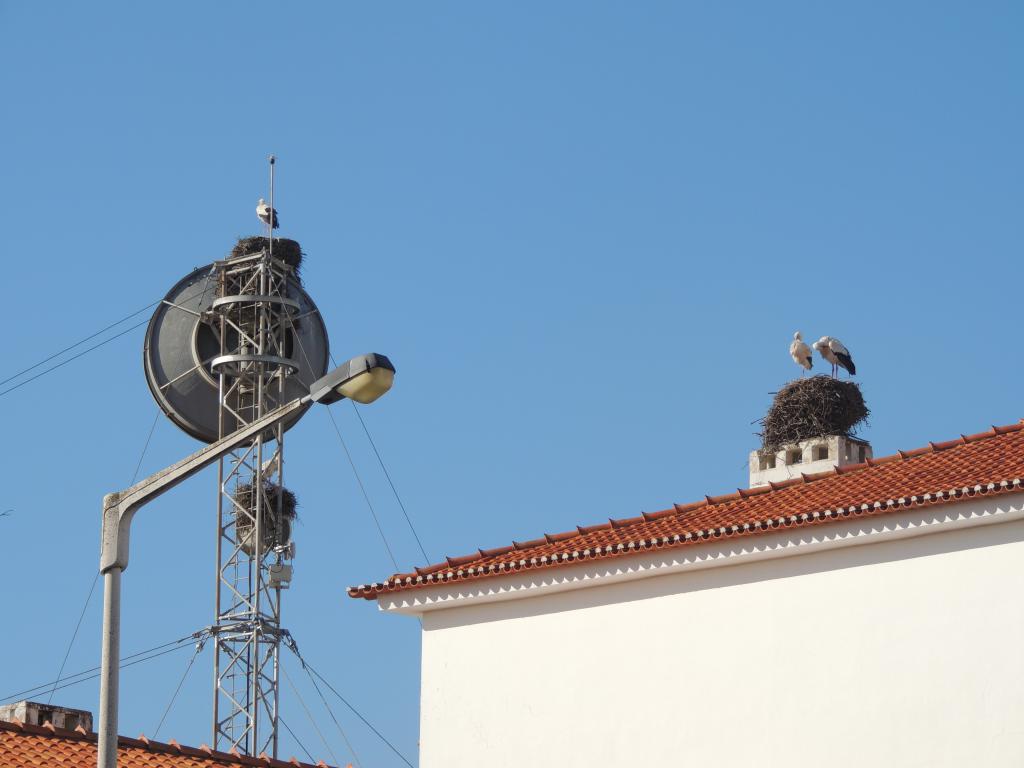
229 343
254 316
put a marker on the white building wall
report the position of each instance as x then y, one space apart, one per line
901 653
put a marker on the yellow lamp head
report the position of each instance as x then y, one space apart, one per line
363 379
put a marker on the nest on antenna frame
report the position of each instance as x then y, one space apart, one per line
288 251
275 530
812 407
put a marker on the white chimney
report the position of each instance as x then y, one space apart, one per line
818 454
34 713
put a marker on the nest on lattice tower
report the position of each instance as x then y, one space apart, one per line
288 251
813 407
275 529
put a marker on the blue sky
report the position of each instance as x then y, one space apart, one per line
584 232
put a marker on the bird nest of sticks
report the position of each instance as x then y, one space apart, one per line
275 530
812 407
288 251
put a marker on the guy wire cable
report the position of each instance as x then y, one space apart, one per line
188 668
330 712
294 648
309 716
355 471
296 738
426 560
96 576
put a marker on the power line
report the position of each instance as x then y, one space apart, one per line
139 657
393 489
365 721
306 665
309 715
145 448
77 343
73 357
330 712
96 576
362 488
74 634
344 447
82 341
199 647
296 738
67 684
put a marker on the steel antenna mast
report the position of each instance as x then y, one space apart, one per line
253 315
230 343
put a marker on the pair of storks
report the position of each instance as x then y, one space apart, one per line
829 348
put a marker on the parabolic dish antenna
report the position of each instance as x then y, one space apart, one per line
183 339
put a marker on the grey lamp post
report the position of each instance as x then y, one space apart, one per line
363 379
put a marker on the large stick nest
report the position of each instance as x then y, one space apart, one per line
288 251
274 531
812 407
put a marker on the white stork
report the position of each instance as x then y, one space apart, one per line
836 353
801 353
266 214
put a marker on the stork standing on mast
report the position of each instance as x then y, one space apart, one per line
801 353
267 214
836 353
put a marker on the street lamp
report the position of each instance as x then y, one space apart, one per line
363 379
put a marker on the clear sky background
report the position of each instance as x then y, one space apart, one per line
584 231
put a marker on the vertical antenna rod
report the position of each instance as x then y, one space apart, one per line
273 210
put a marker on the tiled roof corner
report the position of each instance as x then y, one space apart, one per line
937 473
30 746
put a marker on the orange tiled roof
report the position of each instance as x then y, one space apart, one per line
989 462
34 746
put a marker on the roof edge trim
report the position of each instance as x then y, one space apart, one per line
783 542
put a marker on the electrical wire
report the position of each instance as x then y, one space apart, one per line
82 341
77 343
65 680
330 712
309 715
293 647
296 738
125 662
96 576
352 464
95 580
138 464
188 668
365 721
391 483
72 358
362 488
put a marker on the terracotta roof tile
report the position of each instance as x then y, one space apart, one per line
988 462
31 746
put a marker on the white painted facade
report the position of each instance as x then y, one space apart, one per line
886 641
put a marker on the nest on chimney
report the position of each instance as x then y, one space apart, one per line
288 251
813 407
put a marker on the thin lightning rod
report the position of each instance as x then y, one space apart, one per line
272 159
